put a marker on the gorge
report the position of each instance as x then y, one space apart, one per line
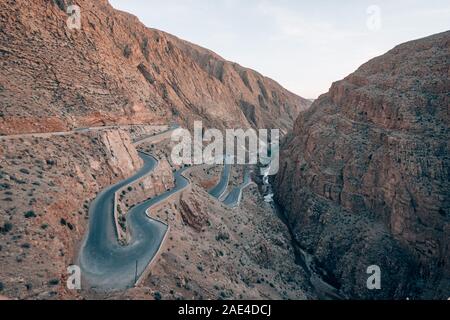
88 175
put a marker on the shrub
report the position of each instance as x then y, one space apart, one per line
24 171
4 186
222 236
7 227
53 282
30 214
61 4
157 295
127 51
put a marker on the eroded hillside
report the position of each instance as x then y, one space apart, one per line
114 70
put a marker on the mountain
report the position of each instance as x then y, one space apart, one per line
365 175
114 70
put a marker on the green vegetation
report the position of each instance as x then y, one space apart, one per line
24 171
157 295
30 214
7 227
53 282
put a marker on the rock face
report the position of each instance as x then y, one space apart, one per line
193 214
114 70
365 175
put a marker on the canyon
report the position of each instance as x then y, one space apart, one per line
363 176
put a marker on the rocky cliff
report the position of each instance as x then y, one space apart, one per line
365 175
115 70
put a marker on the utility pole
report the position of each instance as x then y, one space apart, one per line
135 274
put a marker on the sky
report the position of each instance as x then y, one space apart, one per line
303 45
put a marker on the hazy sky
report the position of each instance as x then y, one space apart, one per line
304 45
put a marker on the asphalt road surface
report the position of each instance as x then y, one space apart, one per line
107 265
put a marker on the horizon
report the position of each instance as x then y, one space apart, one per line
289 41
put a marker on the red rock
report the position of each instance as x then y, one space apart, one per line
116 71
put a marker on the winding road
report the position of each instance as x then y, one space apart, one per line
108 265
105 263
233 199
221 188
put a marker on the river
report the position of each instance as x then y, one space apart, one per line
322 288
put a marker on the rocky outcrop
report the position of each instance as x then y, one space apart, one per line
364 178
121 155
193 213
114 70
